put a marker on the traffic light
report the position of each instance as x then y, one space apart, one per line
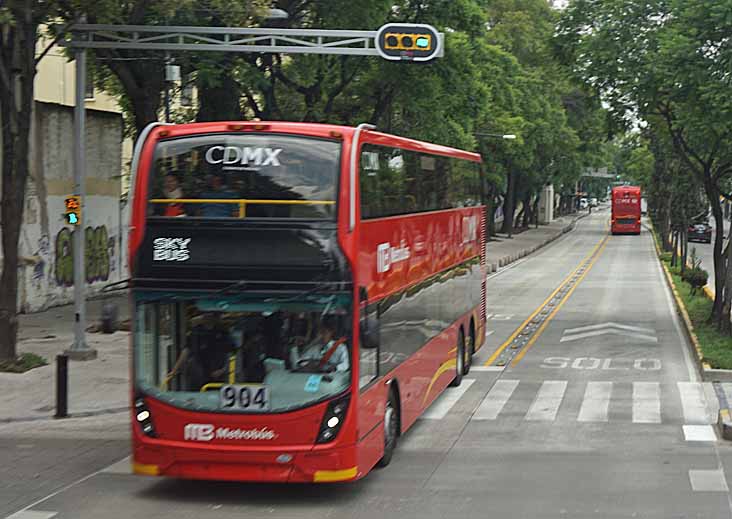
72 214
408 42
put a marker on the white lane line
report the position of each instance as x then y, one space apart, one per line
646 402
123 466
79 481
596 402
547 402
487 368
685 347
494 401
699 433
609 331
610 325
694 402
708 481
508 267
32 514
439 409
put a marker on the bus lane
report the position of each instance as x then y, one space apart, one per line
603 413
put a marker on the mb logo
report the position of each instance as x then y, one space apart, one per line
383 257
202 432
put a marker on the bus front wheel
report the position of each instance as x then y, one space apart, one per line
391 429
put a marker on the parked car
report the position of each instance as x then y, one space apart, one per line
583 203
593 202
700 232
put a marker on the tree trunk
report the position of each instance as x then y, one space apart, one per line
725 325
720 269
220 101
509 203
675 247
143 83
17 73
490 203
684 249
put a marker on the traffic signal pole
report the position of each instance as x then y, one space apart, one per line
407 42
79 349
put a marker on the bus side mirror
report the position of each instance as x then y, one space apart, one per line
369 333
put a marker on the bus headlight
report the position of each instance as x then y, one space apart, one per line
144 418
333 419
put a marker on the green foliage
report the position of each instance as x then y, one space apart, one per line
696 277
24 362
666 256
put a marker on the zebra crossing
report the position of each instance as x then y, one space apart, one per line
641 402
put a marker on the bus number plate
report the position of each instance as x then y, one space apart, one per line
245 397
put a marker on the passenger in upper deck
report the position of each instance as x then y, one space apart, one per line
172 190
218 190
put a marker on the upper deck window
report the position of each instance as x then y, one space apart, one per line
245 176
395 181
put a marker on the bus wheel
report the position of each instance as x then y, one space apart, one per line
469 350
391 429
459 360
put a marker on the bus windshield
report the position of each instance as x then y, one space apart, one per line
215 353
245 175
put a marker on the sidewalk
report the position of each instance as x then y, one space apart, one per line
101 386
503 251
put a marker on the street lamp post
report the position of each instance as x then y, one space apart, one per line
507 136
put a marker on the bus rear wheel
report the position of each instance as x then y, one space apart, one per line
459 360
391 429
469 350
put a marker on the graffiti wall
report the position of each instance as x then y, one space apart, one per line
46 276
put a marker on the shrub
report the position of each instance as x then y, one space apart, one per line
666 256
697 277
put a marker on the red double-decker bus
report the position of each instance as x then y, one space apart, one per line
626 210
301 294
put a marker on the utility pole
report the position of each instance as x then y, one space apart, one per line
79 349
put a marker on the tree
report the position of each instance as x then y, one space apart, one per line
663 62
19 34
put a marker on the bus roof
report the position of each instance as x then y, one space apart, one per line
328 131
629 189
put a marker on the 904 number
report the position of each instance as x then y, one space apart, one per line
245 397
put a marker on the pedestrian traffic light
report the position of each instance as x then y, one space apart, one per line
72 214
408 42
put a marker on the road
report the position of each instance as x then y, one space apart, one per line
597 412
705 252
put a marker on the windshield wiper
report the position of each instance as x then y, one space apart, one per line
321 287
240 285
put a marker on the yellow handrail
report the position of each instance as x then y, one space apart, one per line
241 202
238 201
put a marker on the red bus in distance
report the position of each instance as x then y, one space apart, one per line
301 294
626 210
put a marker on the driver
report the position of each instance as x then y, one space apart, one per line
326 347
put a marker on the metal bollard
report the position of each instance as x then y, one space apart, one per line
62 386
109 317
